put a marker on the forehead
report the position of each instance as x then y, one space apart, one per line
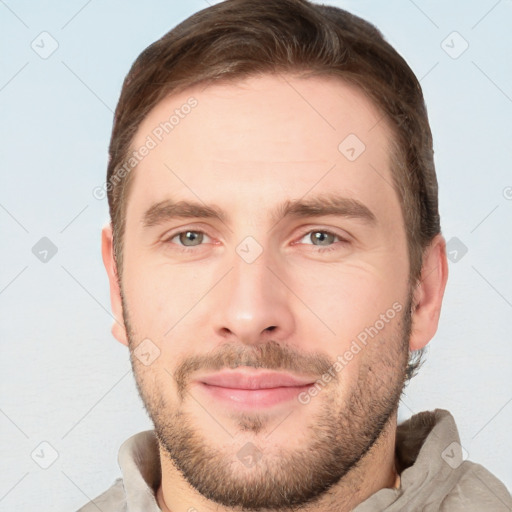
274 104
264 136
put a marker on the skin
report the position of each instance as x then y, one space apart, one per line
248 147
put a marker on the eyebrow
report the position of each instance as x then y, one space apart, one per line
318 206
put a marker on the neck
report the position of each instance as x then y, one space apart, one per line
375 471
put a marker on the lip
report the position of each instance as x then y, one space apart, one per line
253 380
253 388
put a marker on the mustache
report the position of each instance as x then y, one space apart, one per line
269 355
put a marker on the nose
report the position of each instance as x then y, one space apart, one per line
253 304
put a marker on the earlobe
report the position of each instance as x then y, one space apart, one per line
428 294
107 252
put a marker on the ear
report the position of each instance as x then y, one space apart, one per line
428 294
107 252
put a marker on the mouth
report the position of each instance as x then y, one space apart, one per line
250 388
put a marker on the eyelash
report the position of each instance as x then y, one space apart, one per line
320 249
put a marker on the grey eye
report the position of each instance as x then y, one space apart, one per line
322 237
191 238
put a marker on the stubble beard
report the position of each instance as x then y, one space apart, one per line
336 438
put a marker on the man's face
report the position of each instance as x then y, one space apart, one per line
255 299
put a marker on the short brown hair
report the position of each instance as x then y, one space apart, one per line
236 39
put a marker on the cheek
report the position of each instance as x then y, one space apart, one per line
162 302
148 304
156 293
362 306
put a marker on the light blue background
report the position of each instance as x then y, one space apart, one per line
64 379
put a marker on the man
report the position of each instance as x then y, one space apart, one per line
276 266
